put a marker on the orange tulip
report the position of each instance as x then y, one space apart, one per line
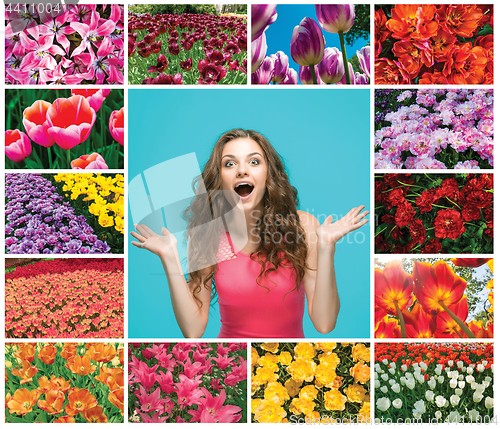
65 419
418 323
79 400
388 328
26 372
100 352
116 397
490 264
412 22
23 401
466 65
81 365
53 403
110 376
470 262
68 351
120 356
8 397
459 19
26 352
95 415
55 383
393 287
479 330
47 354
436 285
446 326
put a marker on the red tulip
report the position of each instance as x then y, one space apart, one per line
95 97
117 125
93 161
35 123
17 145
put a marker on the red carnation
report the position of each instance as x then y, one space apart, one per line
449 224
404 214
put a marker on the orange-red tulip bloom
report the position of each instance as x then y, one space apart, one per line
81 365
95 415
393 286
388 328
65 419
26 372
470 262
79 400
53 404
100 352
23 401
55 383
435 284
413 21
47 354
418 323
26 352
446 326
459 19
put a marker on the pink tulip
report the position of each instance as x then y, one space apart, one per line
95 97
117 125
35 123
93 161
17 145
70 121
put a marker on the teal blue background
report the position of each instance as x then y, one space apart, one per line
324 139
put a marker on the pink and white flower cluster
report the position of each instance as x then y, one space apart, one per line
187 382
437 129
67 44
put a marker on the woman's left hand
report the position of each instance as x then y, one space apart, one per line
330 233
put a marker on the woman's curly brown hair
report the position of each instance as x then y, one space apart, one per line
280 205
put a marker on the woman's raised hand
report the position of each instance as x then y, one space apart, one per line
331 233
160 245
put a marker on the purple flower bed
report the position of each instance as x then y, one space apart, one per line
39 222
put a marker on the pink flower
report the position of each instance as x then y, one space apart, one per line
116 125
95 97
35 123
70 121
93 161
17 145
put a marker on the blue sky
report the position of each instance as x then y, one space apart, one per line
279 34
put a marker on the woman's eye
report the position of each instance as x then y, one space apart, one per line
255 162
229 164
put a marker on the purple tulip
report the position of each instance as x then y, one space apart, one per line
308 43
331 67
351 75
280 66
306 77
265 72
259 49
364 60
361 79
263 15
291 77
335 18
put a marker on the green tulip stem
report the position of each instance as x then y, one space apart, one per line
313 74
457 320
69 159
344 57
49 152
401 320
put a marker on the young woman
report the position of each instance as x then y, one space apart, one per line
283 254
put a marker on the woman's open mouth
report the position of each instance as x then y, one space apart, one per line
244 190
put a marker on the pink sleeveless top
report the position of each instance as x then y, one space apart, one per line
249 310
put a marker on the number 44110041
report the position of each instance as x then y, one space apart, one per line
33 8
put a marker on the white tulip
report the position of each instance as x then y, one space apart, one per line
384 389
480 368
488 379
423 365
450 363
453 383
404 368
420 378
410 384
453 374
402 380
473 416
376 384
488 402
438 414
470 370
383 404
461 384
454 400
392 365
391 381
385 362
429 395
419 407
438 369
384 377
484 362
460 364
396 388
397 403
440 401
469 379
459 392
432 383
377 367
454 417
440 379
392 371
477 397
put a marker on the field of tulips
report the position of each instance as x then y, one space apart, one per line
192 48
434 383
66 213
443 299
317 64
64 383
434 129
434 44
65 298
434 213
310 383
188 382
57 44
77 128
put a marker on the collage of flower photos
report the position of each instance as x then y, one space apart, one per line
202 253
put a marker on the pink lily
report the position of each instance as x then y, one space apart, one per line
187 391
40 50
154 419
222 361
55 27
81 12
150 402
166 382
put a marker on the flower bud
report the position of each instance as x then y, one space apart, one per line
308 43
263 15
335 18
259 49
280 67
331 67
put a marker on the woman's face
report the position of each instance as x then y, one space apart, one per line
244 171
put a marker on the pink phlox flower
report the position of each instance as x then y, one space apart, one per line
166 381
91 33
223 361
151 402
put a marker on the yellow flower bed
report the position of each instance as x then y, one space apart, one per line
105 194
310 383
